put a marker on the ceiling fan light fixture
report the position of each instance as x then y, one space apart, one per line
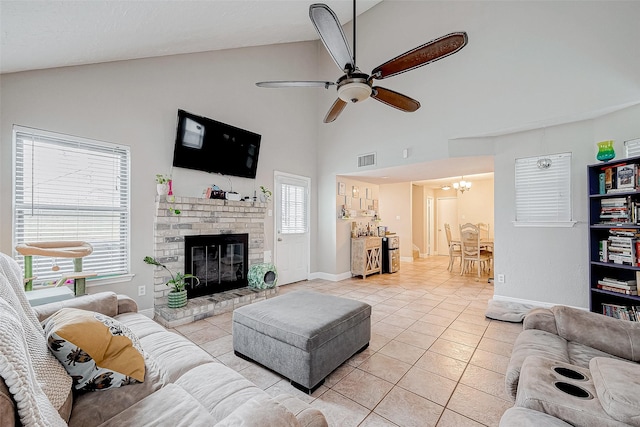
354 92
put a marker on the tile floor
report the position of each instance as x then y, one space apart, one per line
433 360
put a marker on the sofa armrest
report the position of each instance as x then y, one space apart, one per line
541 319
126 304
614 336
102 302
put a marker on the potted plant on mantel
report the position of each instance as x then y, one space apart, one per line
178 294
162 184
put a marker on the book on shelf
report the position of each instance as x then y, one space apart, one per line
601 186
626 177
621 283
618 290
624 312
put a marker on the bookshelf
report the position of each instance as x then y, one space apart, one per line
614 238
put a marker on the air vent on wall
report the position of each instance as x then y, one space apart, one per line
366 160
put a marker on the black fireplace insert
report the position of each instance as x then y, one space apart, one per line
220 261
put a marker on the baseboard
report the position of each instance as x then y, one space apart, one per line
406 258
330 277
532 302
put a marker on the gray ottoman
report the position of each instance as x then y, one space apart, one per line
302 335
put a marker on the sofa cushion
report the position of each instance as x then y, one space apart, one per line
619 338
524 417
170 406
89 409
231 388
98 352
581 355
533 342
617 385
260 412
174 353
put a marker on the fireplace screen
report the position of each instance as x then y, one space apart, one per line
219 261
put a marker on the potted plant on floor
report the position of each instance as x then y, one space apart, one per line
178 294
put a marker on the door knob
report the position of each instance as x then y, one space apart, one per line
279 239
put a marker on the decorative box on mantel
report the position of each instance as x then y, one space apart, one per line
200 216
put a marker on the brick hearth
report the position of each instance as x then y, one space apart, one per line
203 217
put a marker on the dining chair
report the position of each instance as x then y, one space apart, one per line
484 230
471 249
455 249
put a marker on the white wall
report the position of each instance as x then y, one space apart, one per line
135 103
551 264
396 213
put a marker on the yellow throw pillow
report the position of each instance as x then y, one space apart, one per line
97 351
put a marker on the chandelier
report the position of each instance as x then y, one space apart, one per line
462 185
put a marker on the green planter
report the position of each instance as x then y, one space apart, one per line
177 299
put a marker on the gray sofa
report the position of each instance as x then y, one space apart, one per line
183 385
574 367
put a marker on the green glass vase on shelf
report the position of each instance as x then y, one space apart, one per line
605 151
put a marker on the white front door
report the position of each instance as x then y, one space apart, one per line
292 227
447 214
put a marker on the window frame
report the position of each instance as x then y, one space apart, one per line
85 143
567 158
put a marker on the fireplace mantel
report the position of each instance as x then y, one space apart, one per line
200 216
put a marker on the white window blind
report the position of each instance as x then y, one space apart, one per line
632 147
294 209
69 188
543 190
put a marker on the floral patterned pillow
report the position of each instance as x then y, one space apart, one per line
97 351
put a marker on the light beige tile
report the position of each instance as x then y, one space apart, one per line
496 347
284 386
407 409
375 420
209 333
261 377
402 351
416 339
445 366
461 337
428 385
363 388
501 335
218 347
385 367
334 377
436 319
452 349
339 410
386 330
427 328
481 407
453 419
491 361
483 379
399 321
234 362
192 327
471 328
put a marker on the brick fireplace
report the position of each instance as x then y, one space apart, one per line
204 217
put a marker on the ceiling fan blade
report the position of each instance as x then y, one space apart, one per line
335 110
422 55
395 99
331 34
279 84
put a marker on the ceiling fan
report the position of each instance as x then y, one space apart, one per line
355 86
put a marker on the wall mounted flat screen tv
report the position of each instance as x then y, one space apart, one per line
207 145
